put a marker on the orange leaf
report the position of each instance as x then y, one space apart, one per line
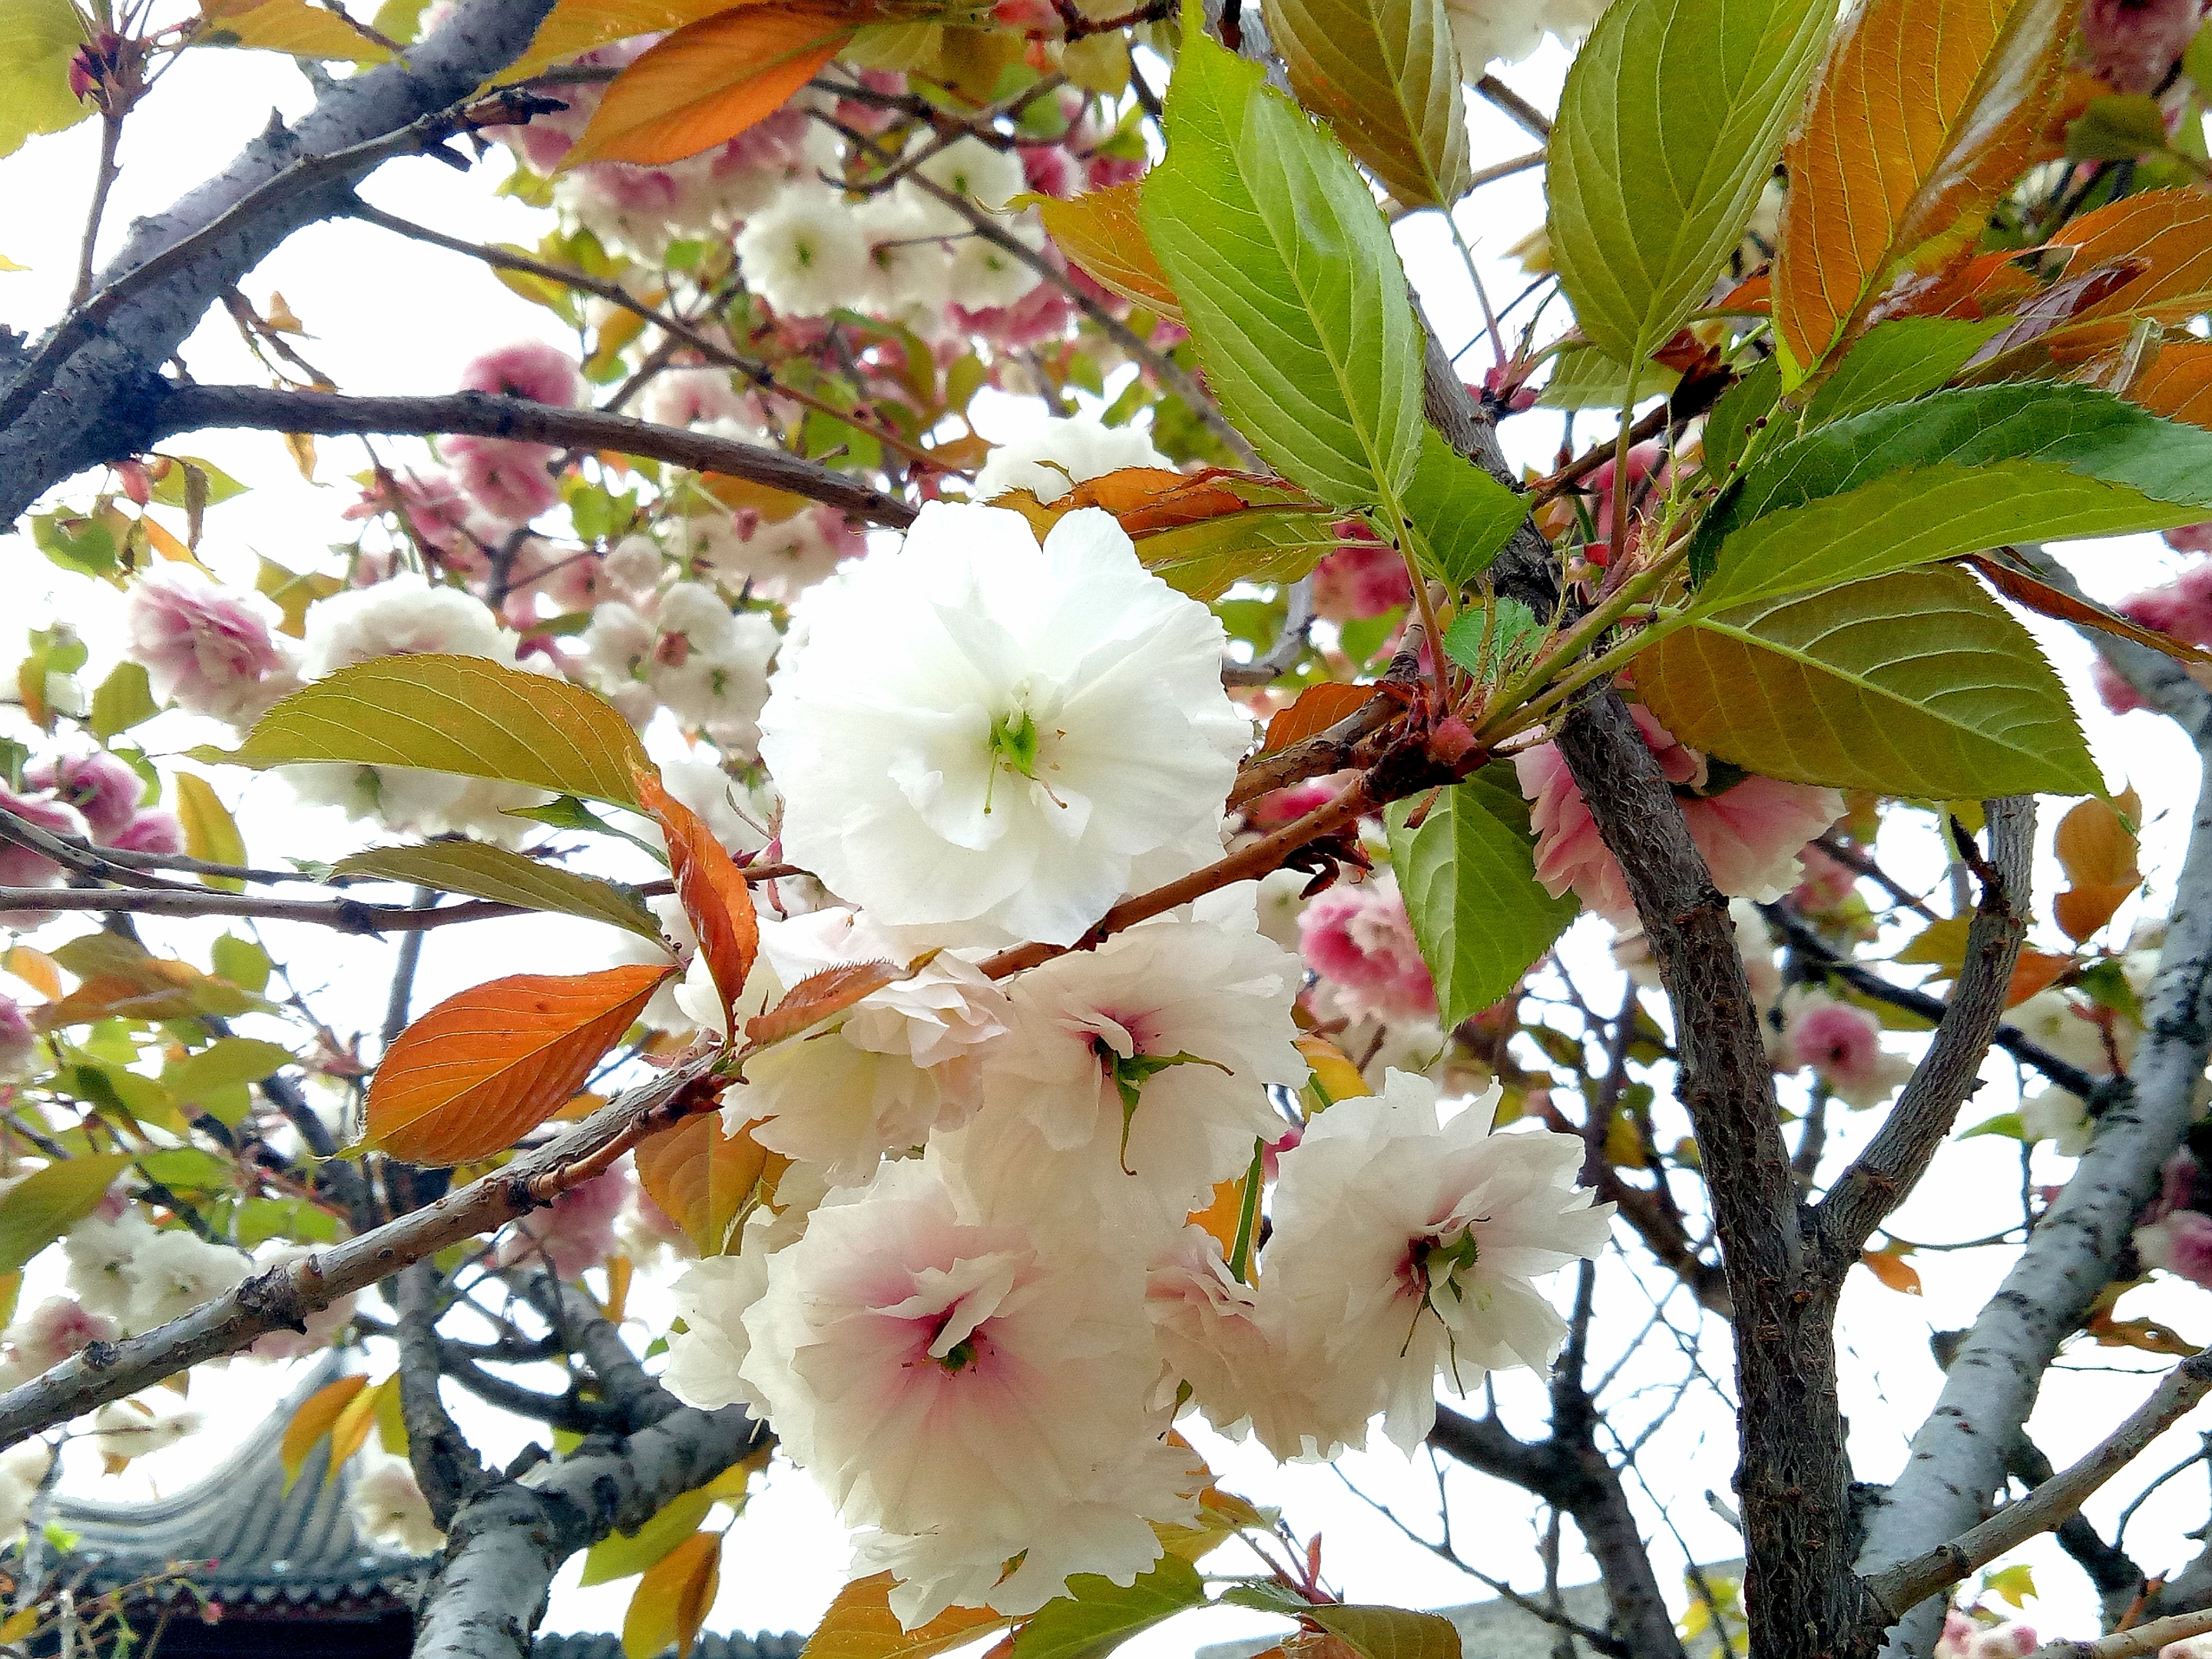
1101 231
1223 1215
313 1421
2170 232
2146 1334
2023 588
2036 970
711 79
36 969
1893 1270
712 888
353 1424
2177 383
1318 707
2096 842
861 1625
487 1065
701 1177
1752 297
576 26
672 1598
2082 910
820 995
1923 116
1333 1073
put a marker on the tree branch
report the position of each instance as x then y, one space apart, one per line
173 409
1909 1582
1882 1175
2128 1643
1958 1459
1802 939
506 1543
83 403
447 1467
281 1297
622 1379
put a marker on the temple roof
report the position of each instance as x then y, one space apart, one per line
263 1551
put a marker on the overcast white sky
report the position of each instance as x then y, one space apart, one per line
390 316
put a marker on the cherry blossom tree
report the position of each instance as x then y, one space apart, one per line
1070 959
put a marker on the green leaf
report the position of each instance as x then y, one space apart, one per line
1097 1615
1728 428
224 1064
1390 1633
1265 544
48 1202
260 1219
465 715
241 962
174 488
1914 683
2116 129
484 870
124 698
1463 514
211 833
1385 75
1288 281
1672 117
37 37
2084 431
1905 358
1907 519
622 1555
1582 377
1468 874
1488 648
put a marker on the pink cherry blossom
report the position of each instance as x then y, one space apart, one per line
2133 45
1288 805
503 476
19 865
57 1329
101 786
1963 1637
1051 171
152 831
207 649
1749 832
2190 538
1358 937
1828 882
576 1231
1843 1044
1599 487
2181 1244
19 1042
1108 171
528 369
1364 578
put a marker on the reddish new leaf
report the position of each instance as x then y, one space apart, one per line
2169 232
711 79
2177 383
1924 115
818 996
712 888
2022 587
487 1065
1318 707
701 1177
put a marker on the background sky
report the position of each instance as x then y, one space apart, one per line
386 315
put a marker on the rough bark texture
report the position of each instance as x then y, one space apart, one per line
506 1544
1793 1477
1957 1464
92 399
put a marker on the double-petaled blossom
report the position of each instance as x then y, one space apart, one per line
1749 829
967 1375
1406 1247
1843 1045
211 650
1358 937
978 729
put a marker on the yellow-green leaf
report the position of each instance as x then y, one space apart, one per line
46 1203
311 1423
486 871
227 1063
37 37
297 26
1669 128
1096 1615
1390 1633
466 715
211 833
1385 75
622 1555
1913 684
